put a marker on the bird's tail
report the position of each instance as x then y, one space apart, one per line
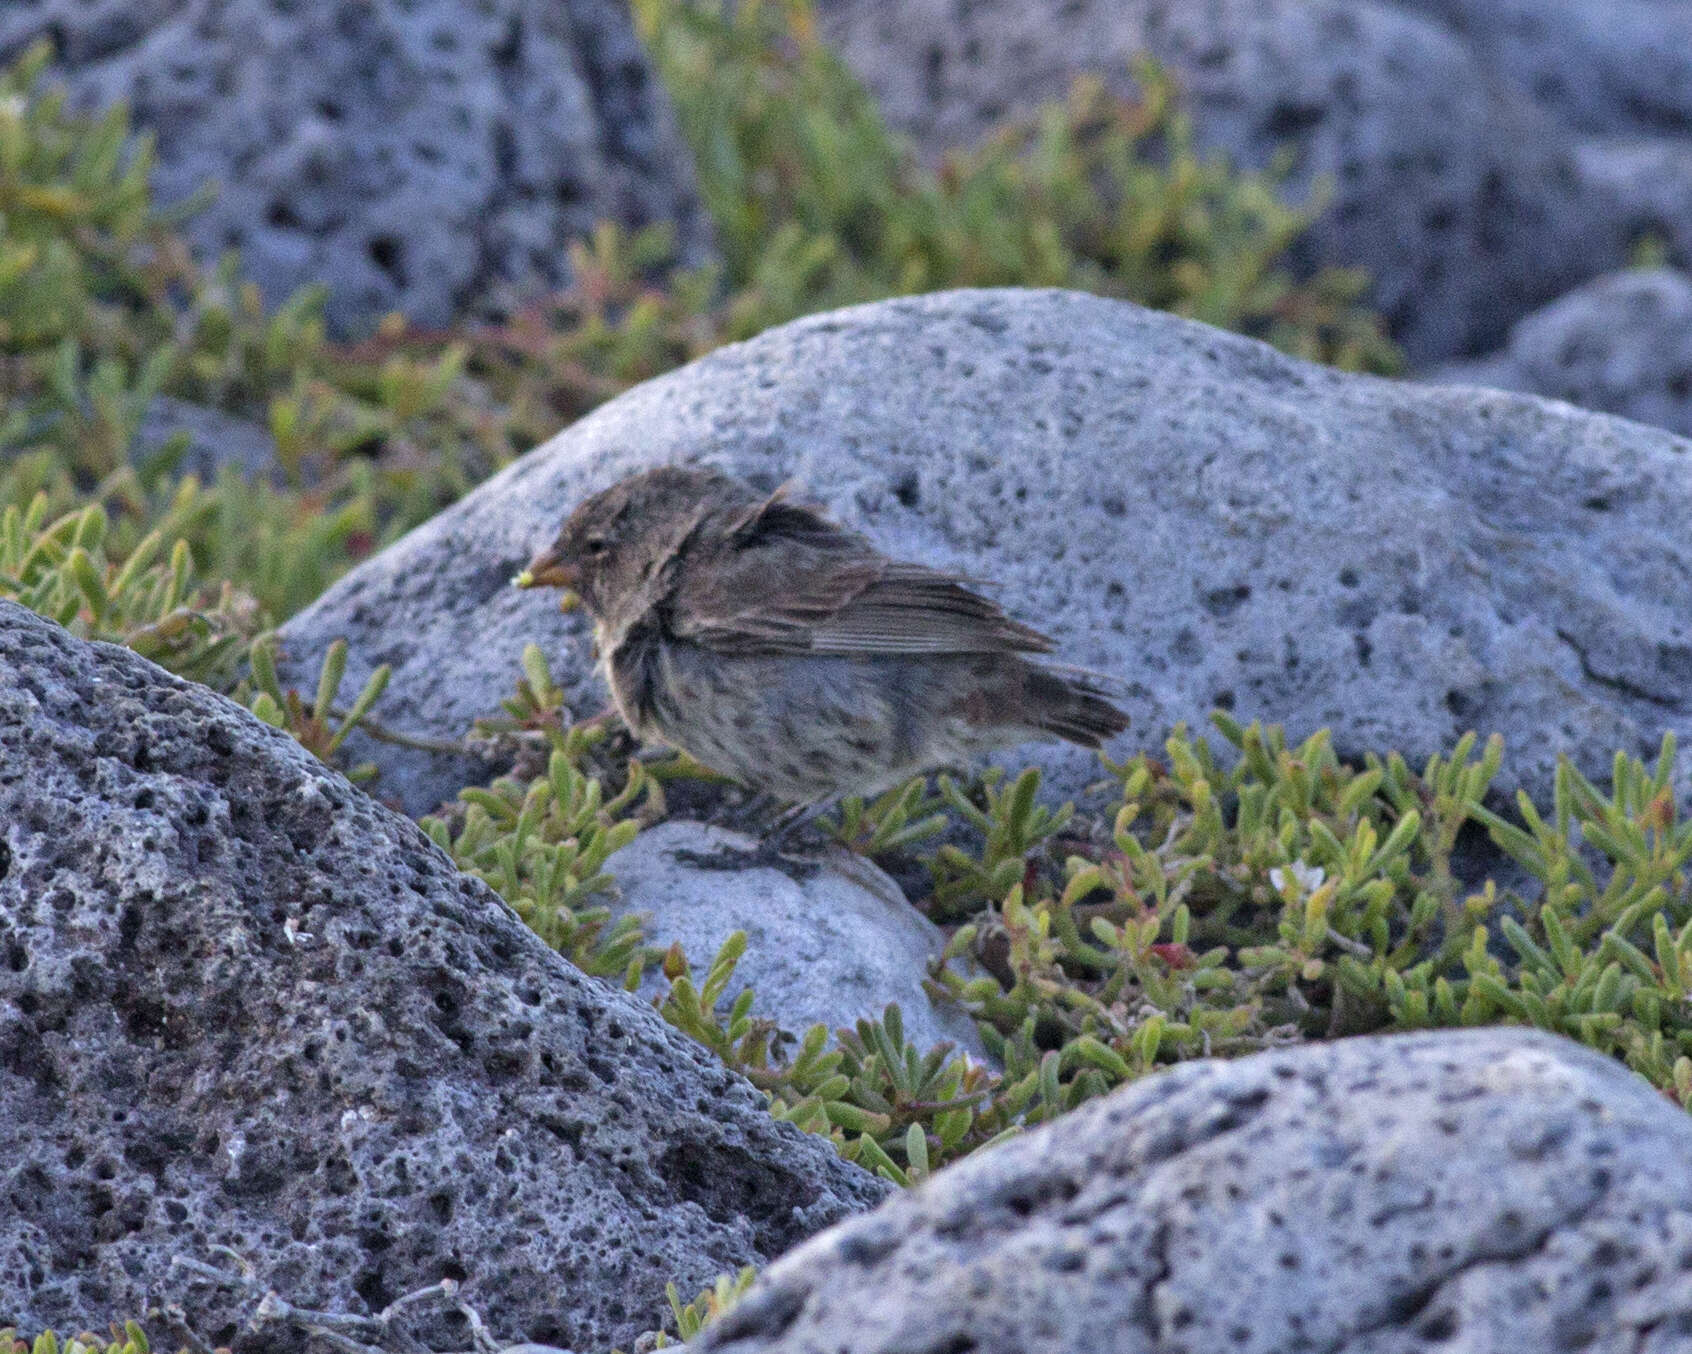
1073 706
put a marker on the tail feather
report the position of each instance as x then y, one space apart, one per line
1072 707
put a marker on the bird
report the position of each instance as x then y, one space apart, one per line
783 650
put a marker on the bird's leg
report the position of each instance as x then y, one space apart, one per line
768 853
793 819
755 810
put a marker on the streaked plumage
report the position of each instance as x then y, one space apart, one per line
779 648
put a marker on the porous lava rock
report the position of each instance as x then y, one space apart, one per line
412 156
242 1005
1481 1190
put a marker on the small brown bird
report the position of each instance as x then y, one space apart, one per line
781 649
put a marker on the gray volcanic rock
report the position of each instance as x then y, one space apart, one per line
1457 195
215 440
1621 343
1648 183
1606 66
411 156
243 1005
1213 522
1483 1190
824 950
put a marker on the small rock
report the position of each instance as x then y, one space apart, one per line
825 949
215 440
1482 1190
1621 343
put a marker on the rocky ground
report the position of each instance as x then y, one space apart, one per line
259 1034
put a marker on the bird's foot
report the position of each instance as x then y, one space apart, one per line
767 855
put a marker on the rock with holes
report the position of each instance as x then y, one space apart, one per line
1450 187
410 156
1621 343
827 948
1210 521
1483 1190
244 1006
1604 66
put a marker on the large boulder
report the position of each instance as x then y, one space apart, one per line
411 156
1458 195
1621 343
1604 66
242 1005
1211 521
1488 1190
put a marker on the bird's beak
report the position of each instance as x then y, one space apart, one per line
547 570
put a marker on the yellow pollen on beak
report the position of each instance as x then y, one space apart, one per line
546 570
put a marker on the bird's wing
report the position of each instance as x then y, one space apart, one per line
782 579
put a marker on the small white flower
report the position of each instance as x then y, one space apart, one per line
1308 877
12 105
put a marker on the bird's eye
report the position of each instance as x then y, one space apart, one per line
594 545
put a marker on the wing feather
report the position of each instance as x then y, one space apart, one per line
783 579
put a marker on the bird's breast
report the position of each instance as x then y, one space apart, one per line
632 663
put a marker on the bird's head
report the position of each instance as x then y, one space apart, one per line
612 549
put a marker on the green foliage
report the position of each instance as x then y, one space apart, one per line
1010 823
102 309
74 205
1606 954
1278 898
896 820
543 844
1222 907
1290 897
129 1339
714 1302
61 570
817 204
885 1104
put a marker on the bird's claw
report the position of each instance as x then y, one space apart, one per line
764 856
